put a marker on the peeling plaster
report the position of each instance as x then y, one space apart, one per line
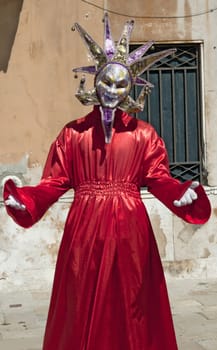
212 238
215 211
15 168
206 253
179 267
186 234
52 250
14 171
160 235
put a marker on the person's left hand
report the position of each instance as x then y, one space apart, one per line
188 197
14 203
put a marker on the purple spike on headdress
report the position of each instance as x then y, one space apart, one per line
130 25
122 49
87 69
107 118
109 45
138 53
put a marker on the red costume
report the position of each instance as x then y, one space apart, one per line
109 290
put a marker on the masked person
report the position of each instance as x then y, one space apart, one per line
109 290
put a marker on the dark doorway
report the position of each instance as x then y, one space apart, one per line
9 19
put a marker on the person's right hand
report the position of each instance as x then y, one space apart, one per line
14 203
188 197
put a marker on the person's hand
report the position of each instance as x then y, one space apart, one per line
188 197
13 203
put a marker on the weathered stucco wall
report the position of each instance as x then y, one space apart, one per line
38 51
37 89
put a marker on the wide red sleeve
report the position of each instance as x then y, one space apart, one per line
56 180
159 182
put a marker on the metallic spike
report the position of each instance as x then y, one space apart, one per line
97 53
88 97
132 106
139 52
143 82
87 69
145 63
122 49
109 45
129 105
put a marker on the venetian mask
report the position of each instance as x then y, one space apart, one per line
116 70
113 84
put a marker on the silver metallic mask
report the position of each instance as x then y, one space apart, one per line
113 84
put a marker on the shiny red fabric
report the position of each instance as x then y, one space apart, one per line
109 290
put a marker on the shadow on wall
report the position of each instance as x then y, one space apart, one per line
9 19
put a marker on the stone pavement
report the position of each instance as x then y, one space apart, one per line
194 307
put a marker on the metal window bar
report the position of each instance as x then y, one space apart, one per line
174 116
174 108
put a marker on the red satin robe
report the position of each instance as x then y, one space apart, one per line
109 290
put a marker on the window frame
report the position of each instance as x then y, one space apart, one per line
184 170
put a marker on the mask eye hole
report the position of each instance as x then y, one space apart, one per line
122 84
107 81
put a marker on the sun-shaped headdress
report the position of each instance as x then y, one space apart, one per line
119 54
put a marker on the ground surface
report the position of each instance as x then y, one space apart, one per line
194 306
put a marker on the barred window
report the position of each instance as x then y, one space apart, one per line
174 108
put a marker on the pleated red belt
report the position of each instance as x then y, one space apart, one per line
107 188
